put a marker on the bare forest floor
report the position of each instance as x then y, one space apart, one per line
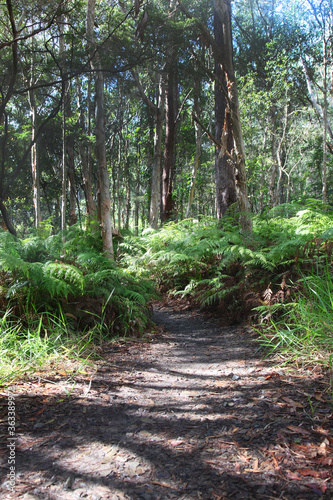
190 412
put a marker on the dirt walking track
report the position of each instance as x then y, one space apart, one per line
194 413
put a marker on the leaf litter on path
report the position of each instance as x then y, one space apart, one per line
193 413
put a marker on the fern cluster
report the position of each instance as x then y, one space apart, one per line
214 264
67 272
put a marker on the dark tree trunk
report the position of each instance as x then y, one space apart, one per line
6 219
84 150
169 148
3 190
224 170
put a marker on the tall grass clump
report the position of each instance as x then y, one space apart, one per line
297 320
302 331
43 344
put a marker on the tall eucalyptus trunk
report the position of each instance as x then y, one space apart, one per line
104 209
72 217
119 174
325 90
224 59
224 169
223 56
65 89
127 180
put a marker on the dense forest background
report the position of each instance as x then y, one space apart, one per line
141 78
184 143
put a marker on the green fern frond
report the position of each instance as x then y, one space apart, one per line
10 243
134 296
67 274
34 249
12 263
285 250
260 261
91 261
216 295
190 288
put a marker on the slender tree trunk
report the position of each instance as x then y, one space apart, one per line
279 188
273 169
64 164
137 194
85 160
118 183
170 139
70 157
324 166
198 145
156 167
34 160
72 217
65 89
100 151
127 185
103 174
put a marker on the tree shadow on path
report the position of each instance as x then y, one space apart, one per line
193 414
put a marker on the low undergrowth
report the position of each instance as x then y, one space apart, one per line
60 297
279 277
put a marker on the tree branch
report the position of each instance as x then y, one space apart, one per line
210 135
144 97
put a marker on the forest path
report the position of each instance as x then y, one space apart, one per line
194 413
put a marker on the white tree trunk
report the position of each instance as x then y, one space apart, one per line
100 151
34 161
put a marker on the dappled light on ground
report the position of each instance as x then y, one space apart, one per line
195 413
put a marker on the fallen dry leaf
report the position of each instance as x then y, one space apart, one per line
297 429
312 473
176 442
292 403
292 475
